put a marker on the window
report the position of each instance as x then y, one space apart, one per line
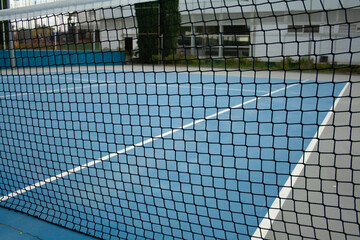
238 52
234 40
185 36
236 30
324 59
207 40
303 28
184 40
231 40
314 28
295 28
212 29
185 30
212 40
207 29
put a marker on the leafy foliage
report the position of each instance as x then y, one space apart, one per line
147 15
155 18
170 25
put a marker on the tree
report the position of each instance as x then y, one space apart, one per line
155 19
170 25
147 15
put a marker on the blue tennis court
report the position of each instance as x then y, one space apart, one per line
154 154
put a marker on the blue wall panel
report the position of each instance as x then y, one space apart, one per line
52 58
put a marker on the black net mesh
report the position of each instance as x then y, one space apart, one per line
185 120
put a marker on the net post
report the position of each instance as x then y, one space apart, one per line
310 38
94 31
252 34
11 47
55 42
3 27
193 41
160 39
11 42
221 47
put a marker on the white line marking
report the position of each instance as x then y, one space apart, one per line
55 90
275 208
89 164
60 89
210 88
102 83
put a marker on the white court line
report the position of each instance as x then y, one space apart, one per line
209 88
179 85
278 203
89 164
60 89
112 83
54 90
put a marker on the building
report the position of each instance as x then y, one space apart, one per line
23 3
267 30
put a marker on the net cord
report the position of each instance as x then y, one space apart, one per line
47 9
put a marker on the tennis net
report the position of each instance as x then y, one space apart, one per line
185 119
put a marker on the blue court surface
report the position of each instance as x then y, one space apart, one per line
154 154
19 226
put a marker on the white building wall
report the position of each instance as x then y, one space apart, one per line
270 38
111 37
263 6
273 41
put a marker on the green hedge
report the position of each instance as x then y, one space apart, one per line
170 25
156 18
147 15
